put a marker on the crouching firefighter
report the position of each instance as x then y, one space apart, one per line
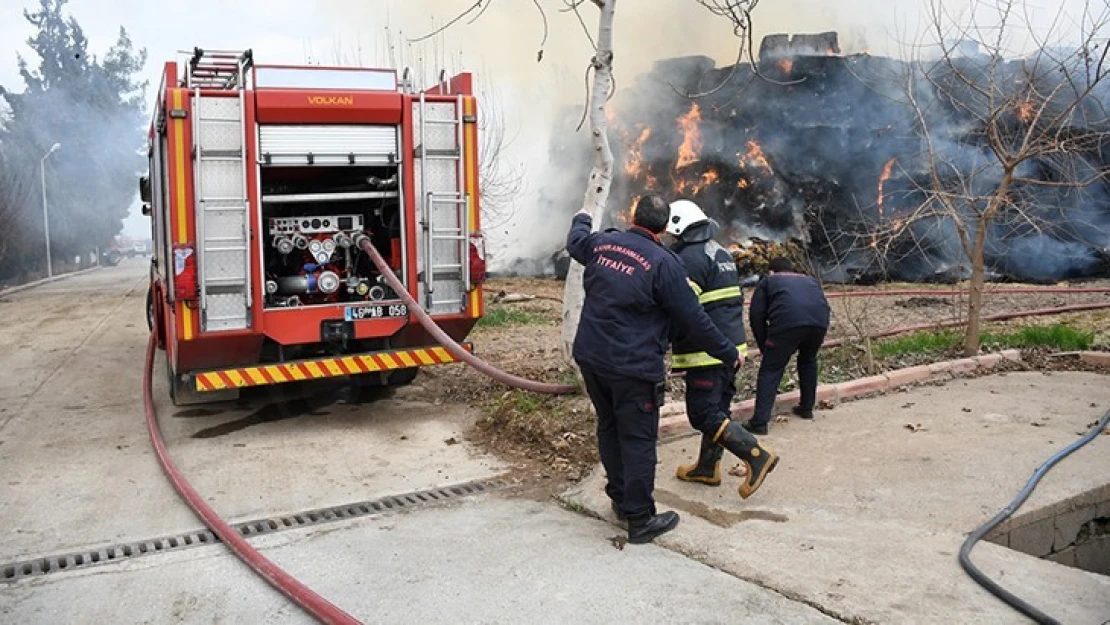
710 383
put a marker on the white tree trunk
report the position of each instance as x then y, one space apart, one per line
601 176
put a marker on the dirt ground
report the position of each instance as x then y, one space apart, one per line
550 440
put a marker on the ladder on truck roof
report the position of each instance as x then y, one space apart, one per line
220 181
217 69
446 205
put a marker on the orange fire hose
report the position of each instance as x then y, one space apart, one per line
441 337
321 609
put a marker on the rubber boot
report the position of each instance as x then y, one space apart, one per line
707 469
648 527
759 460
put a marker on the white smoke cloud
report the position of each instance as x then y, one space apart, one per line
502 45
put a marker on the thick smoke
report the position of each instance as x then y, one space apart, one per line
91 107
806 158
501 46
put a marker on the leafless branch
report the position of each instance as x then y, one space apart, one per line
476 5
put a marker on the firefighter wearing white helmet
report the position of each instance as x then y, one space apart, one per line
711 384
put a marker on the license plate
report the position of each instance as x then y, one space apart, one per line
381 311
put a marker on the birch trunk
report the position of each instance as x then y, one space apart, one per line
601 176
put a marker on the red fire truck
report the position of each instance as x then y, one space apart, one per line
261 177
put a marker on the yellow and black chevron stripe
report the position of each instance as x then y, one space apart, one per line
298 370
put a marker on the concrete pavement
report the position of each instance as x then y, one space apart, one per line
490 561
864 518
78 473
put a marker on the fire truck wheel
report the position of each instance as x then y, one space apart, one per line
152 318
150 307
183 393
402 377
399 377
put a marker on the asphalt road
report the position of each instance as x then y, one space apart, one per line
79 476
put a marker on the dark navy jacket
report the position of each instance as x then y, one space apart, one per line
713 276
635 289
786 301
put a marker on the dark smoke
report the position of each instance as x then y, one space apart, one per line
825 139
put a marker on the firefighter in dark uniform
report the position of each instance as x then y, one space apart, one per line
789 314
710 383
635 289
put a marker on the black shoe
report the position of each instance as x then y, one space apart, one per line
648 528
621 516
802 413
759 460
760 429
707 468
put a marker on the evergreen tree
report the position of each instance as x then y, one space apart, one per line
94 108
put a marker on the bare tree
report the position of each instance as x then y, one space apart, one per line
600 87
1008 146
601 176
500 181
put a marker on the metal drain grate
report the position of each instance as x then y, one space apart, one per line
37 567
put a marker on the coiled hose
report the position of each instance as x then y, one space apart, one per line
965 550
321 609
441 337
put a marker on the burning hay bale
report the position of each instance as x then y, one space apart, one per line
753 257
819 160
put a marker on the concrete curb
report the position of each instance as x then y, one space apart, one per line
30 285
673 422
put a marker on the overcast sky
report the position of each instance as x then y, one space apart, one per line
502 45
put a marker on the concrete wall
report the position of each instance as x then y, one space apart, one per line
1074 532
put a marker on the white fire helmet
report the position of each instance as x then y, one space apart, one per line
684 214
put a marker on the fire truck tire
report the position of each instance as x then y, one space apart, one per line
150 308
153 318
398 377
403 377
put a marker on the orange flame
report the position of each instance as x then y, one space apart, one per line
1025 111
743 184
686 188
691 137
882 180
754 158
786 65
635 164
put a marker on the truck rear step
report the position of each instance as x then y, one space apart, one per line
299 370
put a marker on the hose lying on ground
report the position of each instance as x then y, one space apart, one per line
314 604
446 341
965 551
950 292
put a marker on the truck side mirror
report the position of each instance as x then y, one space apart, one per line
146 209
144 189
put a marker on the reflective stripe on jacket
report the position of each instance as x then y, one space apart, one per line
711 273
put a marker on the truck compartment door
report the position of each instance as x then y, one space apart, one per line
221 213
442 203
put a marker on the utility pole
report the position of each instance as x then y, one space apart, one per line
45 212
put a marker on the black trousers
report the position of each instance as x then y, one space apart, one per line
709 393
777 350
627 433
